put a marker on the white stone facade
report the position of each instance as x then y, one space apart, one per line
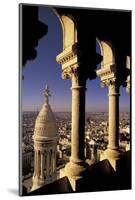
45 144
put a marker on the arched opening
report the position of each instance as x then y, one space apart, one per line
94 91
96 112
108 52
97 97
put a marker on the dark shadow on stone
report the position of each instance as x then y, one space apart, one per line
59 186
100 177
124 171
32 31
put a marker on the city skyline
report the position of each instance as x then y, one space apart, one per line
45 70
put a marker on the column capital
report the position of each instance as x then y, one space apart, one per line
77 75
67 73
113 86
109 77
74 61
111 83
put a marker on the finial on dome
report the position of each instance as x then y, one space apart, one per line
47 94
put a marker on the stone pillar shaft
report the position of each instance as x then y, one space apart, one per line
35 163
110 77
51 161
38 163
113 142
78 121
42 165
77 169
48 164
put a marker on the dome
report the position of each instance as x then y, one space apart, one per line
45 125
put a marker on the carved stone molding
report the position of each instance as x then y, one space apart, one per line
106 73
65 56
109 77
77 75
67 73
113 86
69 59
68 56
110 82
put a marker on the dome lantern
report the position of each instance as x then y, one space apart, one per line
45 125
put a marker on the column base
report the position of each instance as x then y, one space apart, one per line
113 156
77 175
35 183
39 182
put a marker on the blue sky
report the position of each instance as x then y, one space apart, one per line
45 70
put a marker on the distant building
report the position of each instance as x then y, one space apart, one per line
45 146
27 162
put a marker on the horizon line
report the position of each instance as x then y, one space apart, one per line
70 111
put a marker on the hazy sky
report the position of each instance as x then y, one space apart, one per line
45 70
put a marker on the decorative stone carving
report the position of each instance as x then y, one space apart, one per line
107 73
69 59
67 73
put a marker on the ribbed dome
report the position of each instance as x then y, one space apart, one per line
45 125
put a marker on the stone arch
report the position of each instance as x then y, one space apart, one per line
67 23
99 44
107 51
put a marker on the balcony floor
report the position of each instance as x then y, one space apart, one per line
101 177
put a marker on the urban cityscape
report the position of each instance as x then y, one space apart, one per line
96 139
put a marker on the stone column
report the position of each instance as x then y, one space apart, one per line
109 77
36 176
35 162
45 162
112 153
78 121
51 163
39 163
48 164
76 169
113 116
42 166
